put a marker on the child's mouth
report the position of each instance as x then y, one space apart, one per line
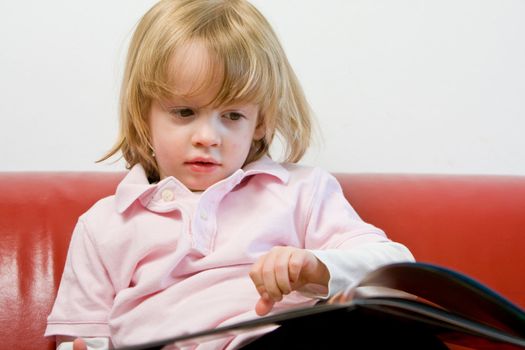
202 166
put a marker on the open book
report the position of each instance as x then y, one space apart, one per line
454 307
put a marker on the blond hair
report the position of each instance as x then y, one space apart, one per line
252 62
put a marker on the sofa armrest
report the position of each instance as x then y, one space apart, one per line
38 211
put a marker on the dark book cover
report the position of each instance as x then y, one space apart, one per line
455 307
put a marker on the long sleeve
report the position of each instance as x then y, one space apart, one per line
348 246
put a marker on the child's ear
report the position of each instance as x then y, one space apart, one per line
260 131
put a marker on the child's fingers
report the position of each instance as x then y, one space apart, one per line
282 271
336 298
256 275
270 273
263 306
348 294
263 277
295 265
79 344
269 276
278 272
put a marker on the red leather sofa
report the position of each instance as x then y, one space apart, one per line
474 224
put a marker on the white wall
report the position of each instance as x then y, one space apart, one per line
431 86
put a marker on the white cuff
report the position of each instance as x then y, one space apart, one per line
348 266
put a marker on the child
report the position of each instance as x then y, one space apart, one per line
205 229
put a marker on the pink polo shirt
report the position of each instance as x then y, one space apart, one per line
157 260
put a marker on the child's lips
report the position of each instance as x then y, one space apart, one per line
202 165
202 160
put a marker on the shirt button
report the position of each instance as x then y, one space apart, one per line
167 195
204 216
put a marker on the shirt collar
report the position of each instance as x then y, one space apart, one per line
265 165
135 185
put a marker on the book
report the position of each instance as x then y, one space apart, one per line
456 308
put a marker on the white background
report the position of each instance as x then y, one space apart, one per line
429 86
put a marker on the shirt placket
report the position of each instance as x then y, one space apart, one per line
204 223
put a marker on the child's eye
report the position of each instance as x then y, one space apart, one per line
233 115
182 112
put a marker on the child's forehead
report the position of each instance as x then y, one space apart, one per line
193 69
196 73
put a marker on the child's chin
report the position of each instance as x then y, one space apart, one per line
199 186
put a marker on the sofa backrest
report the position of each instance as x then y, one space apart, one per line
474 224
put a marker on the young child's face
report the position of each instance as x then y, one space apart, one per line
195 142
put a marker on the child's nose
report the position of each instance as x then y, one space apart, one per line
207 134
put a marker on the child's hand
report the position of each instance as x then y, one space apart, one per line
79 344
282 270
